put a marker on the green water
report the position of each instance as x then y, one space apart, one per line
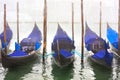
49 71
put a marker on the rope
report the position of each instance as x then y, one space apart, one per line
46 55
50 54
76 52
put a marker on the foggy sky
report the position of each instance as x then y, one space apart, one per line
60 10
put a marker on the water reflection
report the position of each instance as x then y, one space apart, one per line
65 73
44 72
19 72
116 69
101 72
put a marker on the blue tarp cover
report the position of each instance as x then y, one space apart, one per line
61 35
100 54
65 53
18 54
112 36
35 36
109 59
8 36
17 47
89 35
34 39
37 45
104 55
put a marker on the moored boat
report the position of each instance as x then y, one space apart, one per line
98 47
62 47
25 51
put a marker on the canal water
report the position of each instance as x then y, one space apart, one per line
36 70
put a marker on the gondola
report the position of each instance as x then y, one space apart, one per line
98 47
62 47
112 37
24 52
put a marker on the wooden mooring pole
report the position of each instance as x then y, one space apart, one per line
82 25
17 22
119 29
72 21
100 19
5 28
45 29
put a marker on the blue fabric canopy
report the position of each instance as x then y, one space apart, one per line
65 53
60 34
8 36
95 42
18 54
34 38
89 35
37 45
104 55
100 54
17 46
112 36
35 35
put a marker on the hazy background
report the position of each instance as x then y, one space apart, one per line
59 11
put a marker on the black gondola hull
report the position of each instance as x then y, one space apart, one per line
62 61
9 62
100 62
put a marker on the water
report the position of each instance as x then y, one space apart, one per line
49 71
